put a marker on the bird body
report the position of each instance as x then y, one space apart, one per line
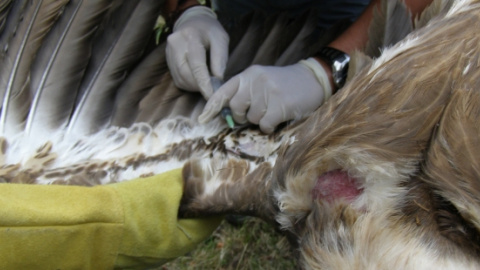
379 177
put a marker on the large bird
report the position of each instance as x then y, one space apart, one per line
384 175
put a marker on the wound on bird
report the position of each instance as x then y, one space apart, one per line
336 184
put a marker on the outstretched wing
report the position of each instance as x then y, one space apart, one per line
98 104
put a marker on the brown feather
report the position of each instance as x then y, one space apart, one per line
384 111
377 130
453 161
242 190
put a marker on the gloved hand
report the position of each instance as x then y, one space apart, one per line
268 96
196 31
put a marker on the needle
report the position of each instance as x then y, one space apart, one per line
226 113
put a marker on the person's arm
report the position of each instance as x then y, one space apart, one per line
356 36
126 225
171 6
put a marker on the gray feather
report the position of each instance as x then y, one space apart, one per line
62 60
147 74
5 6
436 8
299 45
37 20
273 45
242 56
13 13
235 27
160 100
96 102
390 24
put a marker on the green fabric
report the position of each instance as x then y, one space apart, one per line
153 232
126 225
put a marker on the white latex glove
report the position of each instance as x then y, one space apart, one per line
268 96
196 31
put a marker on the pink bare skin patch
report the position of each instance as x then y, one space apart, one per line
336 184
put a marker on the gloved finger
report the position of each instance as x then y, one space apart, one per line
197 61
219 55
212 108
241 100
184 78
258 108
217 101
172 55
273 118
177 62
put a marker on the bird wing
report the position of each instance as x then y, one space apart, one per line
101 104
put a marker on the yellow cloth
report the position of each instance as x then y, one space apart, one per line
126 225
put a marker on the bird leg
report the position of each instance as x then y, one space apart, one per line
227 187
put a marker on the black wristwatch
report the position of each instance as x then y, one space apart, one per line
338 60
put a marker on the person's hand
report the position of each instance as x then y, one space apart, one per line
196 31
268 96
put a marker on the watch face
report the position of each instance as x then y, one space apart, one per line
340 70
339 63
